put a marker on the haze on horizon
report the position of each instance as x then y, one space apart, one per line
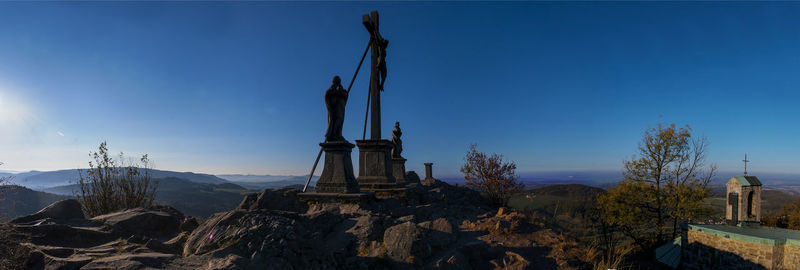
238 87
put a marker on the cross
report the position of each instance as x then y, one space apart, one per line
745 164
377 72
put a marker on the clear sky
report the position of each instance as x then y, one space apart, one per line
238 87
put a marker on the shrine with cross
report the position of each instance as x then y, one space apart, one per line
743 200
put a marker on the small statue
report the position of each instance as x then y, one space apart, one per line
398 144
335 101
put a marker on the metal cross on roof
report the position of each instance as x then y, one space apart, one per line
745 164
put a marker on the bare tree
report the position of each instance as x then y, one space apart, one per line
491 176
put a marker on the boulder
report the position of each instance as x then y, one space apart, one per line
60 210
284 199
405 243
367 230
143 222
257 239
412 177
189 224
440 232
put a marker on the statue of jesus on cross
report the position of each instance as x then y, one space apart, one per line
377 74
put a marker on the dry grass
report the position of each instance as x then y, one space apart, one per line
12 254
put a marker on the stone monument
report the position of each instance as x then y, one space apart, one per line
374 155
398 162
337 180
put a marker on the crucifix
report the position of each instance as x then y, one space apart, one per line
745 164
377 72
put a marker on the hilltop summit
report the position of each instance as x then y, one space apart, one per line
437 227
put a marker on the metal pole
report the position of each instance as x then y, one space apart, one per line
369 94
359 67
313 168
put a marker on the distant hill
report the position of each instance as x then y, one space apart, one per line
540 179
261 182
21 201
290 181
574 199
43 180
254 177
191 198
772 200
199 199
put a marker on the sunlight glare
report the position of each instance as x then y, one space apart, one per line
13 112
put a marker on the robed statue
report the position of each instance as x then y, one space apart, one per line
335 101
398 144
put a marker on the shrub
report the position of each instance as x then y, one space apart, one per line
490 175
110 185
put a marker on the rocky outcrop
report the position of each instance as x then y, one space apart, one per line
282 199
61 238
60 210
438 226
162 222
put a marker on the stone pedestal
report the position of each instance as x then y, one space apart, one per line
375 164
429 180
337 173
337 183
399 171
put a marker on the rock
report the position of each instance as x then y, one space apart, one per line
130 261
249 201
452 261
440 232
262 238
41 260
67 236
500 211
143 222
189 224
284 199
412 177
405 243
367 230
60 210
511 261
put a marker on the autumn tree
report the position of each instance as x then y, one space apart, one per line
665 183
788 217
110 185
491 176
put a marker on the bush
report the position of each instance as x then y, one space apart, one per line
110 185
491 176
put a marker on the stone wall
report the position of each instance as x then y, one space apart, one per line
708 251
791 256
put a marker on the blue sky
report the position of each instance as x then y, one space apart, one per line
238 87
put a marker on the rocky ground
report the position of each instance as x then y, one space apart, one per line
436 226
